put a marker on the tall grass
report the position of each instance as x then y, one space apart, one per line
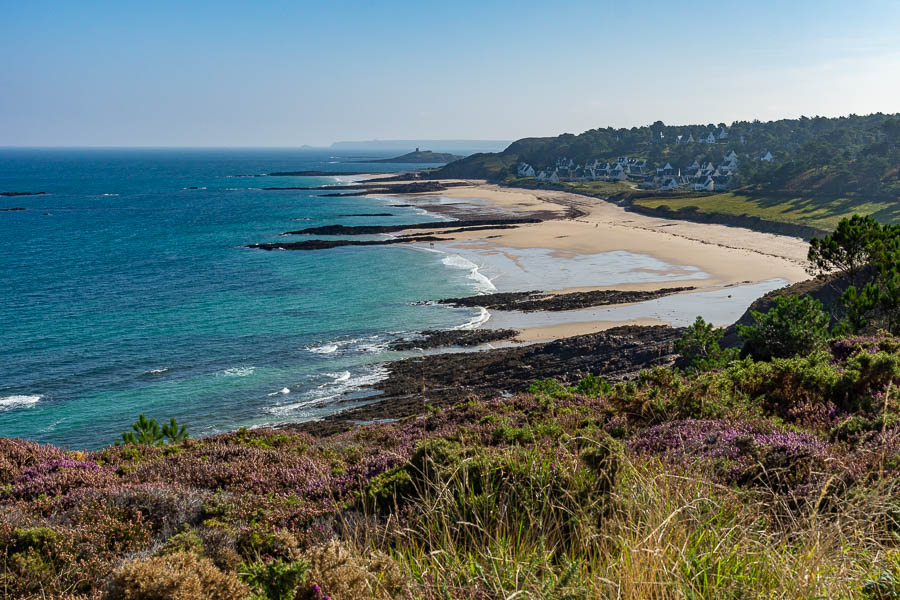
488 533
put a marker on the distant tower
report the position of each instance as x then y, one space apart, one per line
417 148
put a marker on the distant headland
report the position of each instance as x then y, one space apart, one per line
418 156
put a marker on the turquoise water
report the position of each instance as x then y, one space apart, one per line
122 291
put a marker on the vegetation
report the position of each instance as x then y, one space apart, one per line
824 169
746 479
868 254
771 475
699 347
148 431
802 207
794 325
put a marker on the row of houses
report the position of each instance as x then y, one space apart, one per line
696 176
707 137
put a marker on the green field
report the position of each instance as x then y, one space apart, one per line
820 212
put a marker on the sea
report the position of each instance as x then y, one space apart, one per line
127 289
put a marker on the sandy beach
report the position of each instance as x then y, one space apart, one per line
719 255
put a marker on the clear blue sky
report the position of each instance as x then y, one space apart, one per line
270 73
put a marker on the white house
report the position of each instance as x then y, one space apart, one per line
668 183
766 157
705 185
723 135
525 170
731 156
554 177
617 173
709 139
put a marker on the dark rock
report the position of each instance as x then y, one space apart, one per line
454 337
534 301
326 244
11 209
22 193
446 379
376 229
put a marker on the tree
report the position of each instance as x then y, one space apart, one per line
794 325
147 431
878 302
699 346
846 250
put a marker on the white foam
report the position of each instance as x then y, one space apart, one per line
157 371
342 384
326 349
18 401
477 321
280 392
482 283
237 372
342 376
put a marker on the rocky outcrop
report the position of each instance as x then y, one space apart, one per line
445 379
535 301
454 337
379 229
326 244
13 194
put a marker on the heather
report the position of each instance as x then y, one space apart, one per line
749 479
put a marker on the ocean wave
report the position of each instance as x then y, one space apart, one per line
237 372
281 392
109 195
373 343
338 377
342 383
482 283
325 349
477 321
156 371
18 401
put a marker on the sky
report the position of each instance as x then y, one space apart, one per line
272 73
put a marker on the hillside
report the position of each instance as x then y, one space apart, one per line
420 156
807 171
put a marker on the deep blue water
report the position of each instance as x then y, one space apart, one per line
122 292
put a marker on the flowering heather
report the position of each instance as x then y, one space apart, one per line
370 514
740 449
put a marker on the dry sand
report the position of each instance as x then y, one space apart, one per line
728 254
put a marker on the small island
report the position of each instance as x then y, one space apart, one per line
419 156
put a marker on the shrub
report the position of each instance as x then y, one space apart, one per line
178 576
337 572
592 386
699 347
549 388
148 431
794 325
275 579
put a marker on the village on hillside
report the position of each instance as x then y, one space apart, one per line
698 176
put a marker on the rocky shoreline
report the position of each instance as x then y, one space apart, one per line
454 337
442 380
382 229
542 301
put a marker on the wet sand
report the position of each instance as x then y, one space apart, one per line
566 252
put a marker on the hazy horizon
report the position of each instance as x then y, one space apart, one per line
286 74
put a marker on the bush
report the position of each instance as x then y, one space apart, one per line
337 572
275 579
794 325
178 576
699 346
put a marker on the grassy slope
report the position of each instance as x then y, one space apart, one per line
822 212
762 480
